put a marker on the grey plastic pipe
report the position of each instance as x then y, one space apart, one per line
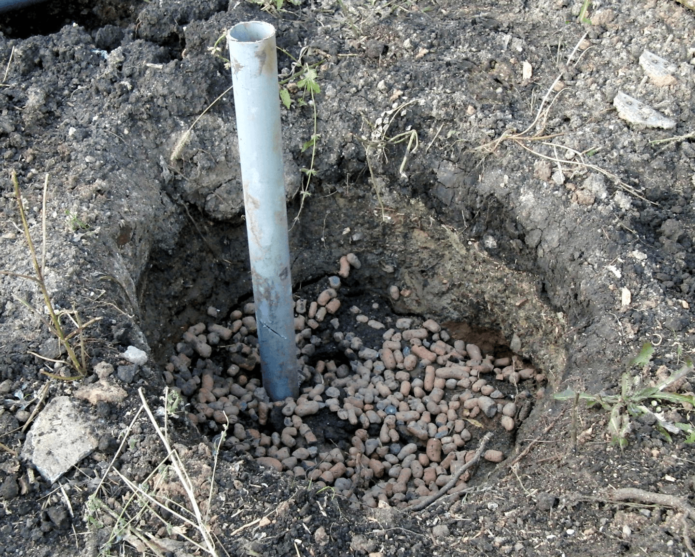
253 59
7 5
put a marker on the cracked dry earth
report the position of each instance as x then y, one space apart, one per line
520 178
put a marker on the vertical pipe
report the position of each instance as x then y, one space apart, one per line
257 104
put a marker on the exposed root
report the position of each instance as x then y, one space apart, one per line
663 500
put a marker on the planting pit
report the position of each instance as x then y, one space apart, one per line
404 341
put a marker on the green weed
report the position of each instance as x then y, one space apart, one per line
583 13
75 223
636 399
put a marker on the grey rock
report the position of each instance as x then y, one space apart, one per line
135 356
362 544
9 488
440 530
5 386
636 112
127 373
61 436
546 501
59 516
487 406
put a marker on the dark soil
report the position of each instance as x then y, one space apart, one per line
514 250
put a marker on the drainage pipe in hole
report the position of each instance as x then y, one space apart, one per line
257 104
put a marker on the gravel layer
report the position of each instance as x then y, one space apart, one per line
411 399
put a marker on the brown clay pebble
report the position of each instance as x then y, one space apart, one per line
270 462
333 306
434 450
492 455
344 271
507 423
353 260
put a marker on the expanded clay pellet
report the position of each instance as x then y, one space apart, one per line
411 399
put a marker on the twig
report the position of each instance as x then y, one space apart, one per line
436 135
576 47
7 69
181 143
663 500
536 440
6 448
427 501
42 396
183 478
43 226
42 284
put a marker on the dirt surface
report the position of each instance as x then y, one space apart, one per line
531 218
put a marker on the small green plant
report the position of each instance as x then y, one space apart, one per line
74 222
309 86
636 399
274 6
583 13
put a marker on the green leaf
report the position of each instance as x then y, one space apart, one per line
644 356
663 432
673 397
310 143
309 172
308 81
689 430
626 387
618 426
285 98
567 394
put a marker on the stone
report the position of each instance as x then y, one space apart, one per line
270 462
9 488
353 260
321 537
307 408
394 293
434 450
440 530
127 373
344 271
507 423
103 370
492 455
487 406
362 544
658 69
135 356
546 501
59 516
61 436
636 112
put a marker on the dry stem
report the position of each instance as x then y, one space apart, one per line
427 501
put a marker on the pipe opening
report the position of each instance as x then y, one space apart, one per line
251 32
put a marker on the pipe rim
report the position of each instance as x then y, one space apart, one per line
251 32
